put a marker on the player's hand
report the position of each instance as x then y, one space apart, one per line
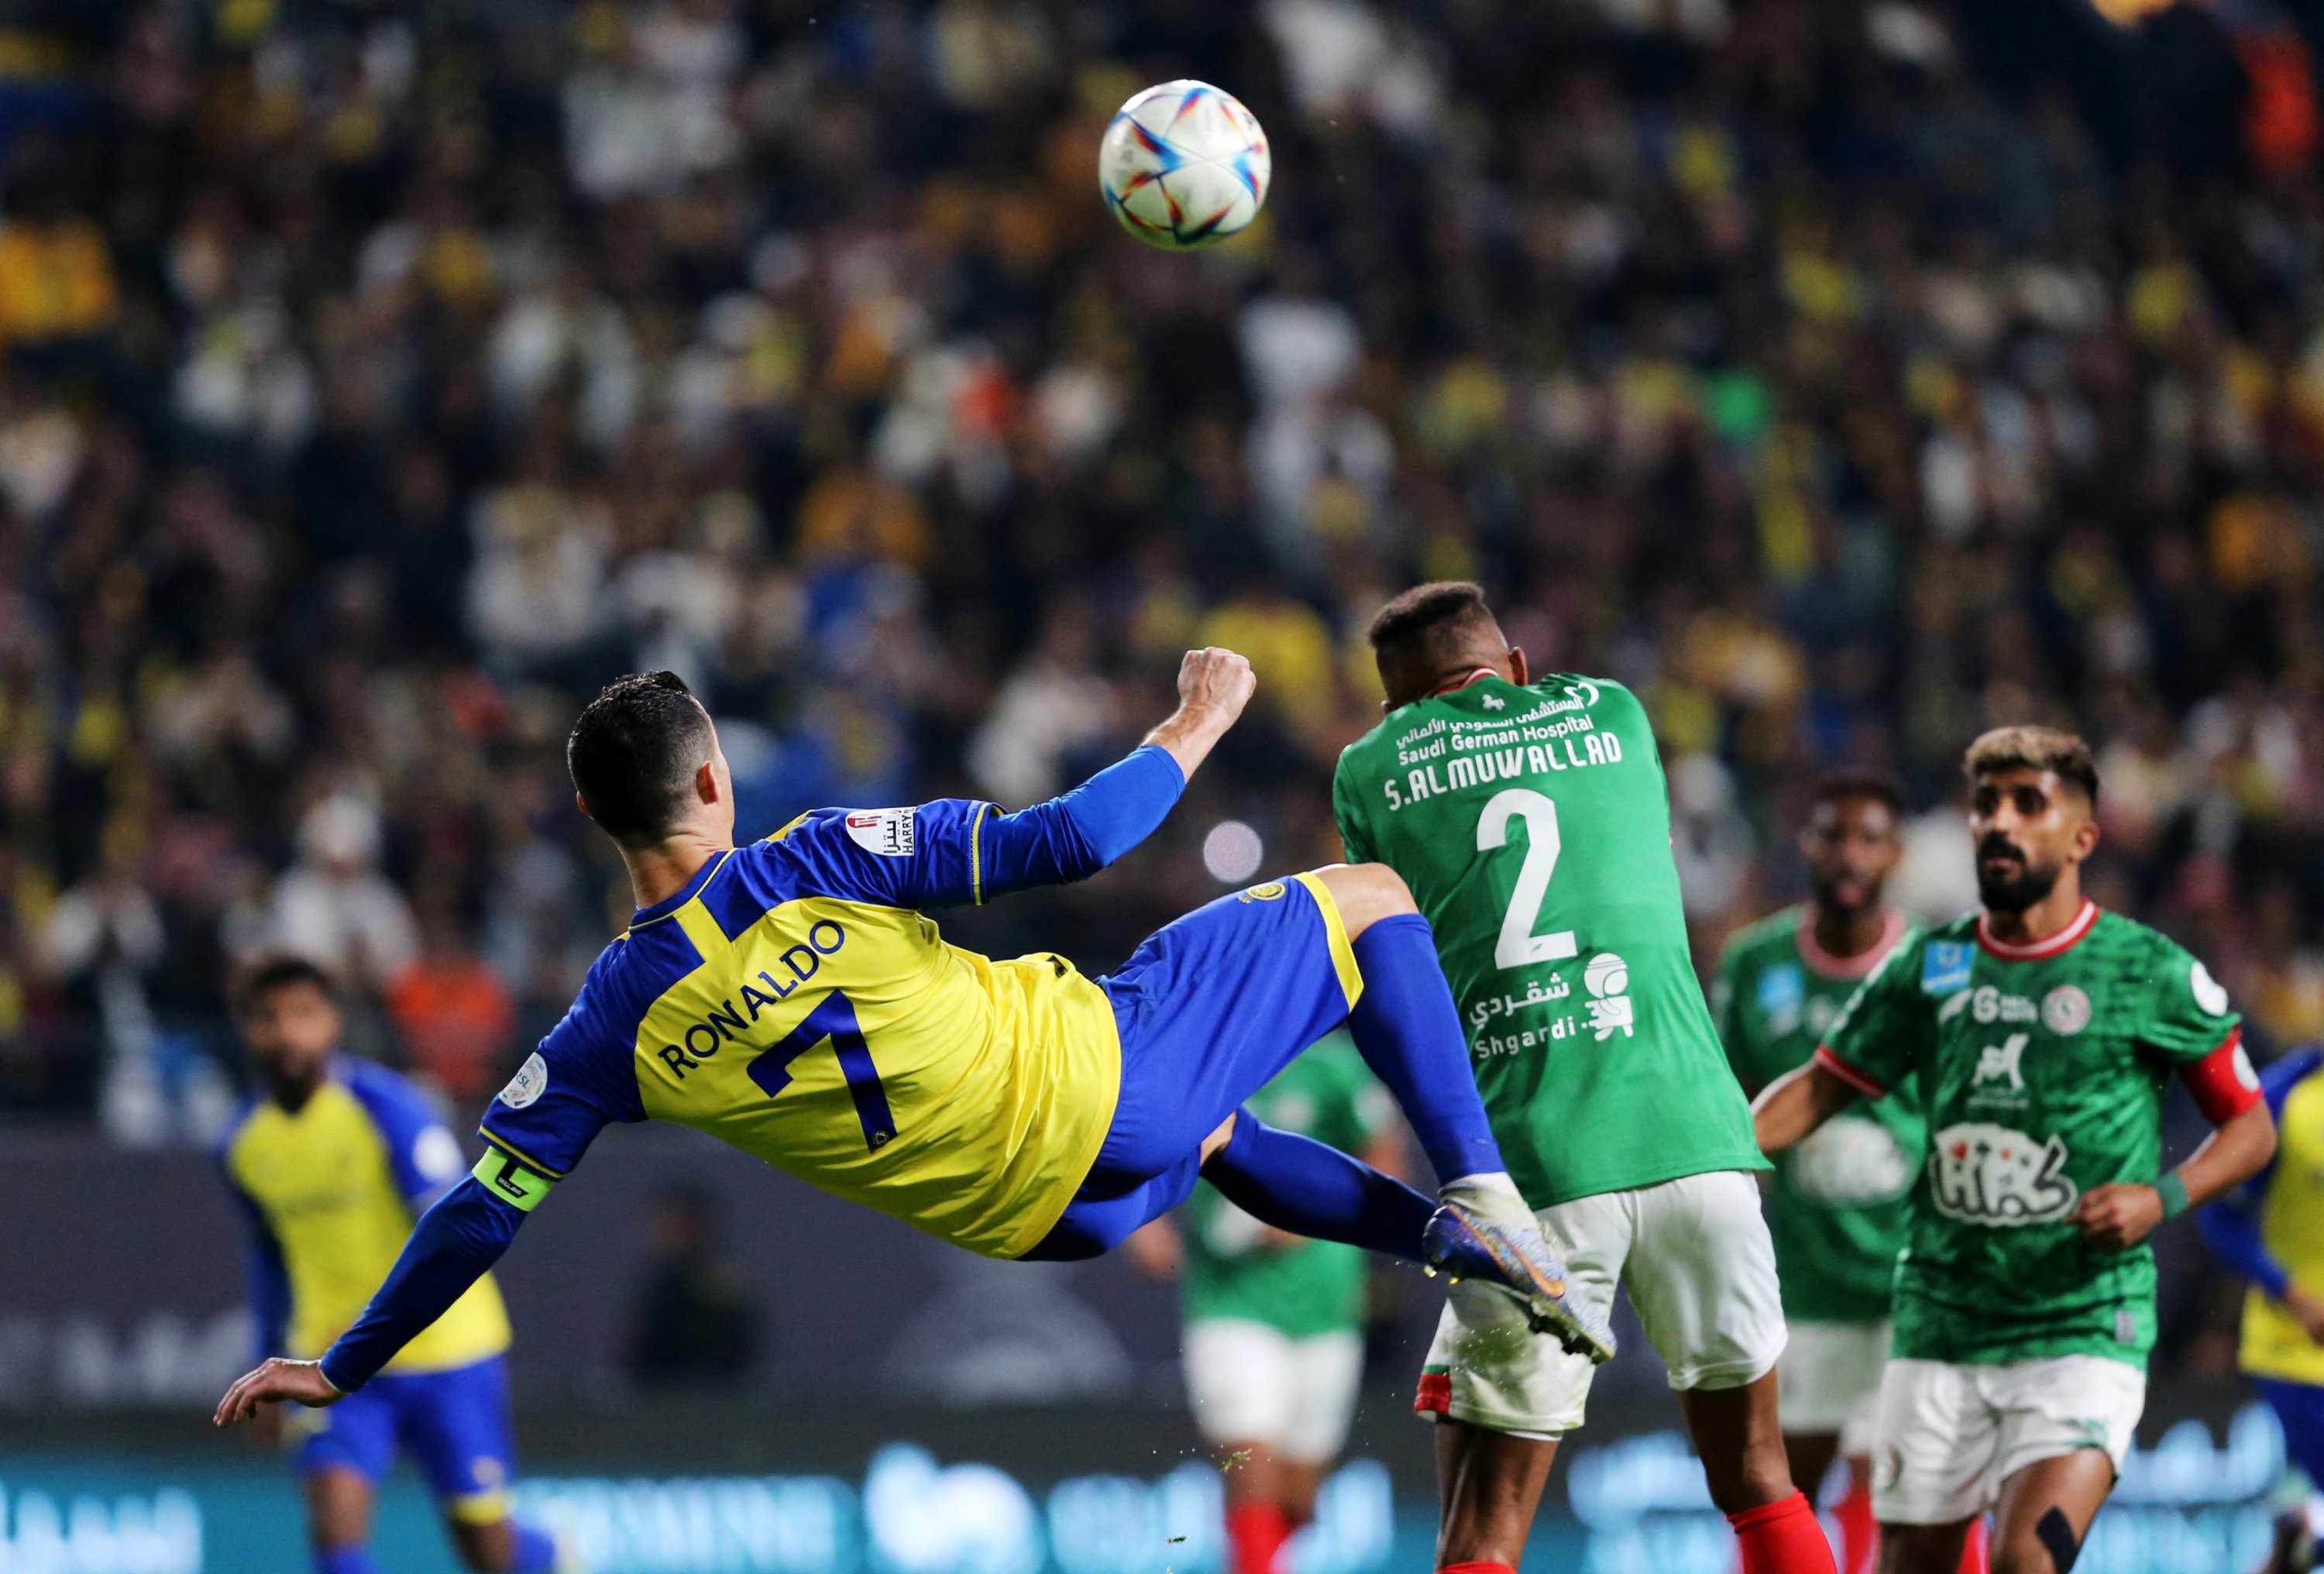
300 1382
2308 1309
1216 683
1155 1249
1214 686
2118 1214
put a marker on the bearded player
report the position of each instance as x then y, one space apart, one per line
2041 1030
1531 823
1838 1206
791 999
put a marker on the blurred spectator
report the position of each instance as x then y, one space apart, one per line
451 1011
696 1322
334 906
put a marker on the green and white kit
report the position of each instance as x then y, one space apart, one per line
1839 1206
1274 1325
2041 1071
1533 825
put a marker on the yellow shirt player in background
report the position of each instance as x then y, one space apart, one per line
792 997
332 1161
2270 1229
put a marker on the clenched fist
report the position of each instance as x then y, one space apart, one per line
1215 682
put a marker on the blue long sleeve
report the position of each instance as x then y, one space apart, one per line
1077 833
452 1247
2234 1237
268 1284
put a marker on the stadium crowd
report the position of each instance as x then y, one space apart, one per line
379 381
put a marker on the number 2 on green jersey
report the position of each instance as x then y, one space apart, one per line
1518 945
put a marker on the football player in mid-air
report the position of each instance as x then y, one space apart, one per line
2270 1229
1530 820
330 1160
1838 1205
1013 1108
2041 1030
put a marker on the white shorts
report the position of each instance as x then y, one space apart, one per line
1829 1381
1951 1434
1702 1272
1252 1384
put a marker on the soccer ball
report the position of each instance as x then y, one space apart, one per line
1184 166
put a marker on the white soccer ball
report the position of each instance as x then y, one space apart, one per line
1184 166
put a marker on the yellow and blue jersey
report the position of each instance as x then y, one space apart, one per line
330 1191
2271 1229
794 1001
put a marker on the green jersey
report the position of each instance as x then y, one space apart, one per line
2042 1071
1840 1205
1533 826
1236 1268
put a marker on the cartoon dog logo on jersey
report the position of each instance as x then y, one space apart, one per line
1608 979
1990 1175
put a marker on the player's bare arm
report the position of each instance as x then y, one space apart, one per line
2125 1213
1214 686
1795 1103
299 1382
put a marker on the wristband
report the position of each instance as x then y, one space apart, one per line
2173 1192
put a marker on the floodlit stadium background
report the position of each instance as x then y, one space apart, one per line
380 378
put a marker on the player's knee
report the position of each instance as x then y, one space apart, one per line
1365 893
2046 1546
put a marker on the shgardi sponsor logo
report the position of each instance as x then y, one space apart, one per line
1990 1175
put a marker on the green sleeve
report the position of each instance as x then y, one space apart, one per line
1880 1034
1343 810
2187 1014
1724 992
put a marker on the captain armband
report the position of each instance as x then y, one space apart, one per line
511 1180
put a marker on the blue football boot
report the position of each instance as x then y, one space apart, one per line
1461 1244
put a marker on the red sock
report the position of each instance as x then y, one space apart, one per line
1782 1538
1255 1533
1973 1549
1860 1532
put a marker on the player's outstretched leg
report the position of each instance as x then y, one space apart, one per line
1408 1031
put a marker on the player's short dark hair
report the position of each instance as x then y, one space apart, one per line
252 985
2029 748
633 752
1427 622
1840 784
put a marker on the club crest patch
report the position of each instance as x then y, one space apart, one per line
2066 1010
531 1081
885 831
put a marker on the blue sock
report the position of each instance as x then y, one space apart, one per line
1296 1184
1408 1032
345 1560
533 1553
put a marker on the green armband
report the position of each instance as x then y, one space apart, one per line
511 1180
2173 1192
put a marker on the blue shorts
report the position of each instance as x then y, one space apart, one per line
2300 1406
1209 1009
455 1426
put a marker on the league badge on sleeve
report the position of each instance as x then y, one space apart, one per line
2210 993
1944 966
885 831
531 1081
